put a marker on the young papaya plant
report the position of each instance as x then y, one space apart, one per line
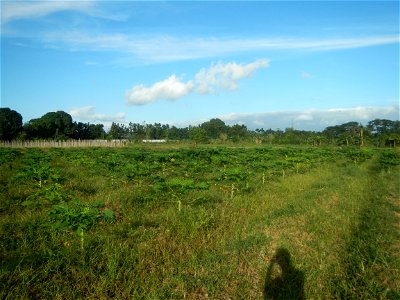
52 194
78 217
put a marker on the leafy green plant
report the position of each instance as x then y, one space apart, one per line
78 217
176 187
48 195
179 185
237 178
357 155
389 159
7 155
43 173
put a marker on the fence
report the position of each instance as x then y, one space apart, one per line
64 144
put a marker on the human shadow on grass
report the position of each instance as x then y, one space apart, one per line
283 280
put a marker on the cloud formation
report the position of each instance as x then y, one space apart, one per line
225 76
14 10
208 80
170 89
312 119
88 114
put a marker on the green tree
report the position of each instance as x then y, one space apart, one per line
96 131
81 131
136 131
86 131
393 140
382 131
238 132
382 126
214 128
156 131
175 133
198 135
52 125
348 134
10 124
118 131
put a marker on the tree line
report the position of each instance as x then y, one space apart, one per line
60 126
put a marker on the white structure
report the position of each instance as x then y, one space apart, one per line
154 141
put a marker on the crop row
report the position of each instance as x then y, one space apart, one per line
165 174
176 171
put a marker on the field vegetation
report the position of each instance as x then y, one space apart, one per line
200 222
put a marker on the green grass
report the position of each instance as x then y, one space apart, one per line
371 265
328 229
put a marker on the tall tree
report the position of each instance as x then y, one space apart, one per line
136 131
86 131
346 134
214 128
118 131
52 125
10 124
96 131
198 135
382 131
238 132
175 133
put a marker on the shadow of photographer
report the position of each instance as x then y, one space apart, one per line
283 280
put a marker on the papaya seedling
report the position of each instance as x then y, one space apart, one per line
78 217
52 194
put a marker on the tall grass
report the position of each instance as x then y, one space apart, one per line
371 262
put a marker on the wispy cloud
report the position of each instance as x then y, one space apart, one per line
306 75
91 63
312 119
88 114
16 10
156 49
218 77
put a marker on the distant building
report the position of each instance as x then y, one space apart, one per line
154 141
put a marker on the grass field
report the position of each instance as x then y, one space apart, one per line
200 223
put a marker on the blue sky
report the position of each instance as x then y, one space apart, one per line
310 64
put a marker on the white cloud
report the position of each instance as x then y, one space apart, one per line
218 77
14 10
306 116
87 114
225 76
156 49
312 119
171 89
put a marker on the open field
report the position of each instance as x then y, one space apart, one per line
208 222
